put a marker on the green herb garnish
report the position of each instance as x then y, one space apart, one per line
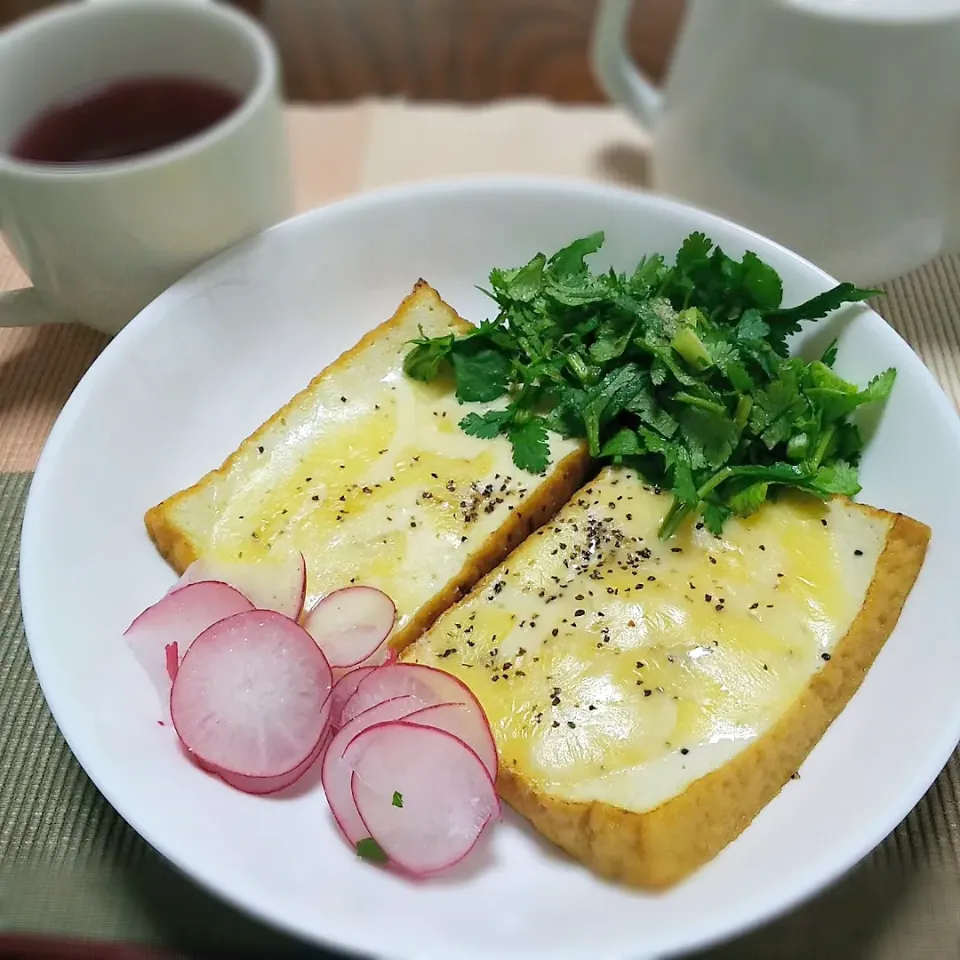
369 849
397 798
681 371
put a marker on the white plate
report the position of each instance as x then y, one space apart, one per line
220 351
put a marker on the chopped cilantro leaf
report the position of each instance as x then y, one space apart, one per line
481 370
369 849
397 798
531 451
683 370
486 425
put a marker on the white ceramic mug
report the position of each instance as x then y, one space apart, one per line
831 126
100 240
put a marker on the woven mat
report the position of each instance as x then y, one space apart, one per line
71 868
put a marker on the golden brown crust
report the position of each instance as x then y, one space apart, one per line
659 848
172 542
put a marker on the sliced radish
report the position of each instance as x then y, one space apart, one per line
278 584
351 624
467 725
336 774
265 785
424 796
343 690
427 684
250 693
161 634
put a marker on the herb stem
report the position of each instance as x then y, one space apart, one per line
821 450
577 366
711 406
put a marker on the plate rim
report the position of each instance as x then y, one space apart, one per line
761 914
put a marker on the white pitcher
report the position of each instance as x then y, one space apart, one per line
831 126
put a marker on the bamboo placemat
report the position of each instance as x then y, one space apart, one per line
71 869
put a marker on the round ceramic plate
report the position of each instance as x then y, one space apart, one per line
214 356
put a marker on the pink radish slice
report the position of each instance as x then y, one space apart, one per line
336 774
274 584
343 690
265 785
427 684
249 695
351 624
379 658
465 724
162 633
422 793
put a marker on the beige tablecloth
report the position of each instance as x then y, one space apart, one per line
70 867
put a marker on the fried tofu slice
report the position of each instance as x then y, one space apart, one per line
367 473
649 698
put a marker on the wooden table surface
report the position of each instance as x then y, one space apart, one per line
458 50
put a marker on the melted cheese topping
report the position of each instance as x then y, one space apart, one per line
370 477
619 668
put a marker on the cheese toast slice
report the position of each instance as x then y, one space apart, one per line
368 474
649 698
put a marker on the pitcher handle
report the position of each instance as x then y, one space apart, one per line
613 67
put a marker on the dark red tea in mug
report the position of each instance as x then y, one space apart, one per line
124 118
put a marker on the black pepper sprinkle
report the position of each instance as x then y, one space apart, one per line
823 521
556 723
260 449
824 656
753 606
762 547
648 693
571 725
684 751
858 553
713 559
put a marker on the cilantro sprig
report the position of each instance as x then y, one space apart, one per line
680 370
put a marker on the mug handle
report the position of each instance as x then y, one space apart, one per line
613 67
26 308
